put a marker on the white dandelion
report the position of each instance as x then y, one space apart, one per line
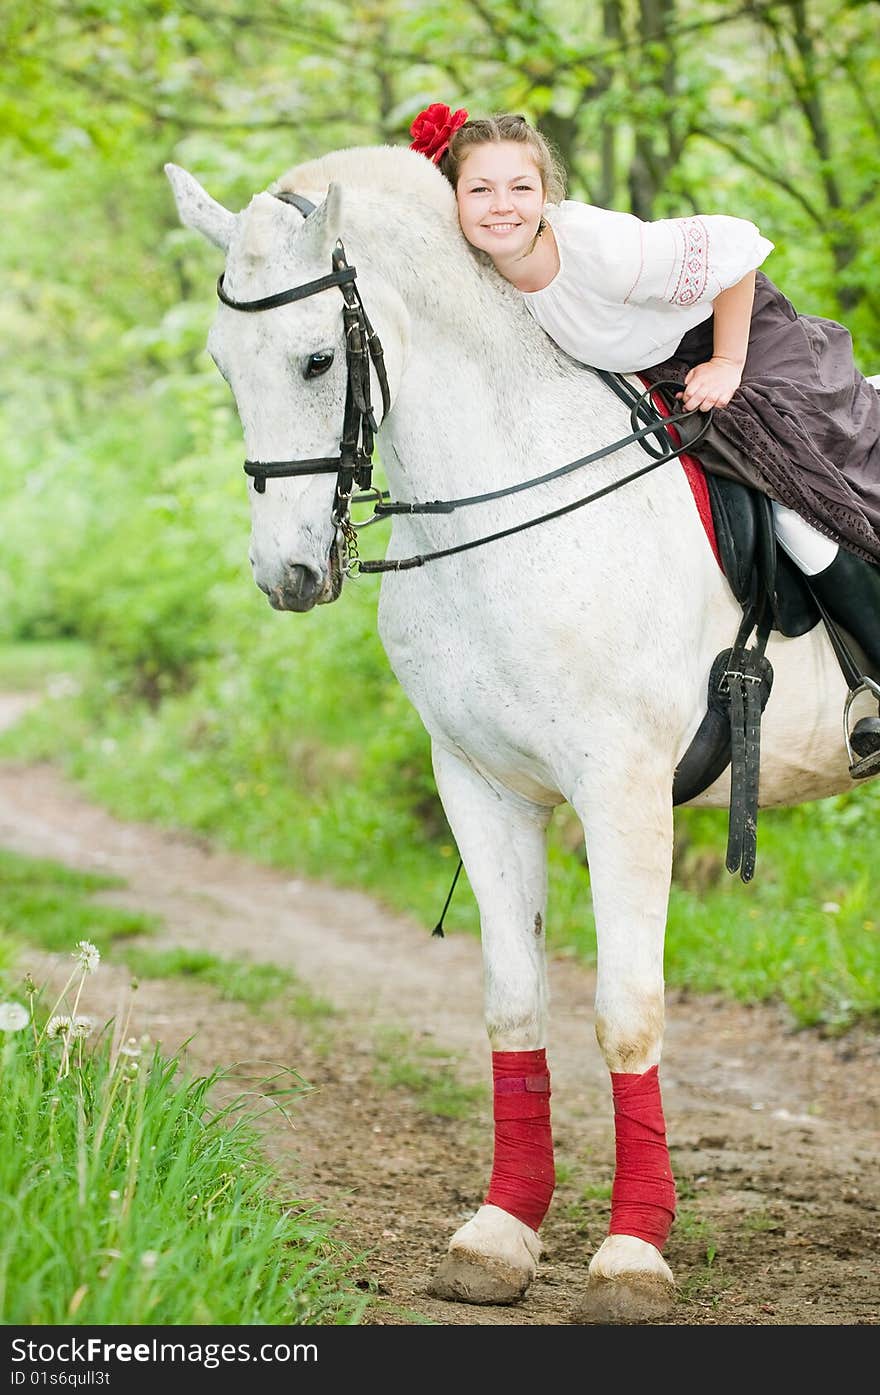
73 1028
13 1016
88 956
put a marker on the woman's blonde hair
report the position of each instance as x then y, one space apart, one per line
505 126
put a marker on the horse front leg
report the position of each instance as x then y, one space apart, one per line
629 832
493 1257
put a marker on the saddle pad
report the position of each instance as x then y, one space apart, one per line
695 475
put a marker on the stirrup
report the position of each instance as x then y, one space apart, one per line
860 766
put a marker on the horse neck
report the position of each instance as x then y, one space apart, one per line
478 369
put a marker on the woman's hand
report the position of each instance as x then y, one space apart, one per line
710 384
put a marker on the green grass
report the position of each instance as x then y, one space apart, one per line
47 904
126 1197
426 1072
54 906
235 980
314 797
707 1281
760 1223
34 666
805 932
589 1207
691 1226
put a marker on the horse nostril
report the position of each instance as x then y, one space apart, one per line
302 580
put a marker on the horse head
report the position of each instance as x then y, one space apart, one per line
287 370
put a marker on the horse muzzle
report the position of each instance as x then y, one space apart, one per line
299 590
302 587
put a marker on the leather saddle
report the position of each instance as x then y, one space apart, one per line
743 520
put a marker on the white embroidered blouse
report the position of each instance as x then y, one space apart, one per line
627 291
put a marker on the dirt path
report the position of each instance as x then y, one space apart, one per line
774 1135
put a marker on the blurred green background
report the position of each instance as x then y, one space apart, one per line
172 691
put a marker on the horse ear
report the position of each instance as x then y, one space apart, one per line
198 210
321 229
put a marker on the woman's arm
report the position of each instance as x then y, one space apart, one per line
713 384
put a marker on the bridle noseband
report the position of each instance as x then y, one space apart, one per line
353 465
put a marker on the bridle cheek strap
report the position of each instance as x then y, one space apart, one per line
353 465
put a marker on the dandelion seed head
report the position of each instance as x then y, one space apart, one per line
13 1016
74 1028
88 956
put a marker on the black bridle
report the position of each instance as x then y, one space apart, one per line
353 465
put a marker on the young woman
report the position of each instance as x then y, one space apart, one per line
683 298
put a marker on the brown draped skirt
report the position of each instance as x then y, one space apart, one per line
804 424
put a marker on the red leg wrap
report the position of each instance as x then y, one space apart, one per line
643 1195
523 1176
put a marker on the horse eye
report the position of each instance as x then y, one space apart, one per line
317 364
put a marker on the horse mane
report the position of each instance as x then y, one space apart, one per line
387 168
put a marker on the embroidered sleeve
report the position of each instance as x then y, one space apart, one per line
690 276
686 261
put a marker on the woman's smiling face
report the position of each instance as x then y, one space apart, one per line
500 199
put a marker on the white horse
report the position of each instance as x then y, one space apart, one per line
567 663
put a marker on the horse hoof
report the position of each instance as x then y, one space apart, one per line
465 1277
492 1258
628 1281
626 1298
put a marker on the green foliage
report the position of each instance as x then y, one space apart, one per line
148 628
805 931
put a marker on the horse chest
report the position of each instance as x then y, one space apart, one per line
482 684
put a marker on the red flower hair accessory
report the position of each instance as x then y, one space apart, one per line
433 127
